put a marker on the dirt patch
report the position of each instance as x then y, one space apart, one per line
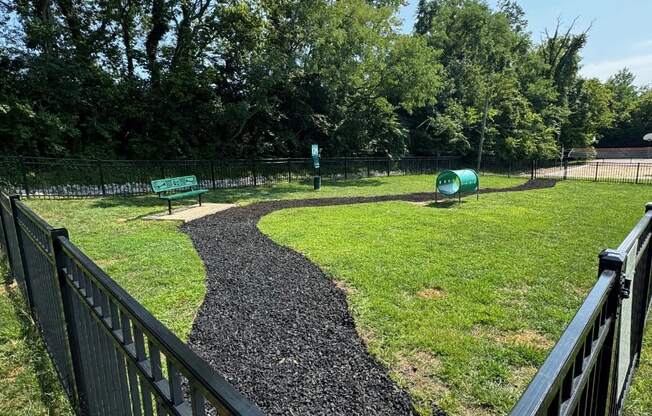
349 290
523 337
529 338
419 373
520 377
431 293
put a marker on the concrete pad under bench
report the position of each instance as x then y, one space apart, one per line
190 213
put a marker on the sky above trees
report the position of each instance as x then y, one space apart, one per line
621 33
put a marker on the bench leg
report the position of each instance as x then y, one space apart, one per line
169 207
200 200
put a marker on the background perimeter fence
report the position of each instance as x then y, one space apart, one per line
51 178
79 178
110 354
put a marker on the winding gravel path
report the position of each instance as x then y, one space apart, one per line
278 329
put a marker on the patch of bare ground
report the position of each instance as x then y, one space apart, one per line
520 377
431 293
523 337
418 372
343 286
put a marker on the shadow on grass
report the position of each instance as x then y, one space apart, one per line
49 389
135 201
233 195
447 203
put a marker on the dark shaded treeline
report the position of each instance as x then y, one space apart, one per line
165 79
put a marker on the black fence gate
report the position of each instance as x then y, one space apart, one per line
111 355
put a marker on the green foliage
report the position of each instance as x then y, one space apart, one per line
175 78
632 110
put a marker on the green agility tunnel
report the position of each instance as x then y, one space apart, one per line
451 182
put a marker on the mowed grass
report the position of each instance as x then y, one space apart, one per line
463 303
28 384
152 260
157 264
375 186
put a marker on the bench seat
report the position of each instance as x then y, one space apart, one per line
182 195
173 189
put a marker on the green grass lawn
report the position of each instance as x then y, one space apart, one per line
28 384
495 314
381 185
157 264
463 303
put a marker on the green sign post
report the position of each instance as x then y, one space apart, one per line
315 162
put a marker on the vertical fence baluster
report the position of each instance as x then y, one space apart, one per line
21 252
102 183
71 336
197 402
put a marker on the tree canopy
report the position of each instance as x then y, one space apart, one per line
260 78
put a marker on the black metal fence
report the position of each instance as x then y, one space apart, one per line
596 171
79 178
111 355
51 178
589 370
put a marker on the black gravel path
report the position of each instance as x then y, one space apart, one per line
278 328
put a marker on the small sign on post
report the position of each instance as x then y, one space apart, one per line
315 155
315 162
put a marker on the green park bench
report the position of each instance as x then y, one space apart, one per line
172 189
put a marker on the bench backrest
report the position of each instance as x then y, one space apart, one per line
173 184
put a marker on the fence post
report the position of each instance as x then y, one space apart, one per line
21 251
10 275
368 169
23 175
68 318
253 172
213 174
345 174
565 169
532 169
638 168
607 390
289 171
388 167
597 164
102 185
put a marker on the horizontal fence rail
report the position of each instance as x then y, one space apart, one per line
110 354
589 370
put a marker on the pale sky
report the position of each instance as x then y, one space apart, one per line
621 35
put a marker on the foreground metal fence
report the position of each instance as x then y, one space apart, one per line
52 178
589 370
111 355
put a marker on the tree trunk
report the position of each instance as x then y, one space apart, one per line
159 28
484 128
